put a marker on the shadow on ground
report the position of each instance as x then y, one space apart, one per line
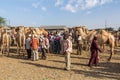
41 65
105 70
79 64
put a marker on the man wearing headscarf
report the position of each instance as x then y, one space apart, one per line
94 52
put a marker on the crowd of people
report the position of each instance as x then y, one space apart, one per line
55 43
58 43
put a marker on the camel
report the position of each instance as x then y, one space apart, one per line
21 33
33 31
83 32
116 35
20 39
104 37
1 29
5 42
107 38
38 32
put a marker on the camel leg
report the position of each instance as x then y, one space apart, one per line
104 48
2 50
86 46
111 54
19 50
23 50
116 43
89 46
7 48
8 51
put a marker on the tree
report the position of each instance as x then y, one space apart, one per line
110 29
2 21
119 29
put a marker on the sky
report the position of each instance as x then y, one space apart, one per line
91 13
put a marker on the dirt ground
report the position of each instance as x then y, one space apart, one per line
19 68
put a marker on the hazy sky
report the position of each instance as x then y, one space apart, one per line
92 13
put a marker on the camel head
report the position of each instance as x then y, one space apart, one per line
4 30
81 30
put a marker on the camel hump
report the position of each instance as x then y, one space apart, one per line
111 40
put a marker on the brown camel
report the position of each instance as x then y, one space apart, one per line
83 32
104 37
20 39
5 42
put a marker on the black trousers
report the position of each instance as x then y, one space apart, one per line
79 49
29 53
44 53
12 43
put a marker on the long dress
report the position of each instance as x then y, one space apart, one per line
94 53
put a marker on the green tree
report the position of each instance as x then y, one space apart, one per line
119 29
2 21
110 29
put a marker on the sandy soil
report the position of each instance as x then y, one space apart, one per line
18 68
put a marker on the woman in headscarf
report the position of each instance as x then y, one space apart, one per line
94 52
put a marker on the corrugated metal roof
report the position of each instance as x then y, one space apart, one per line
54 27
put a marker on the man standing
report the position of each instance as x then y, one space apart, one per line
67 49
34 44
45 46
94 52
57 44
51 40
28 47
79 45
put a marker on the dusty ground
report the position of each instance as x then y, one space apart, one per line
14 68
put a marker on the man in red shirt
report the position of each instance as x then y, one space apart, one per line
34 44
